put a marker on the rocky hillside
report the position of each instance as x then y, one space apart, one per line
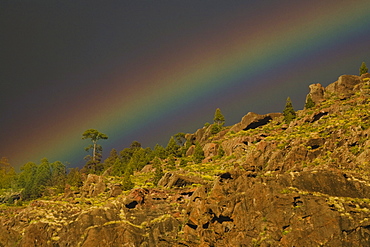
302 184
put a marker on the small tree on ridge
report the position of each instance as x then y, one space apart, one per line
363 68
289 113
309 102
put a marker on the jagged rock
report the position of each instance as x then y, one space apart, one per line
172 179
148 168
344 86
210 150
115 190
317 115
269 211
93 186
316 93
203 135
114 234
331 183
253 120
36 235
239 145
200 135
53 223
190 151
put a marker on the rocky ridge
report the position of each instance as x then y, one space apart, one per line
302 184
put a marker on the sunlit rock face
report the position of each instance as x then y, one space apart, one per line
305 183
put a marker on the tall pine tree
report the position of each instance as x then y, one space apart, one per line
218 118
218 122
289 113
93 164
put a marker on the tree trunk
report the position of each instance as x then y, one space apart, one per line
94 151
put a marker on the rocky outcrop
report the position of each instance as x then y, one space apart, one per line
344 86
173 179
204 135
93 186
300 209
153 220
253 120
316 93
210 149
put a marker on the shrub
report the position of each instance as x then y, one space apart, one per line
309 102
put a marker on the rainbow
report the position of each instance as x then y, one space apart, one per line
138 97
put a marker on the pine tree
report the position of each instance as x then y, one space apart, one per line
140 158
172 148
58 176
118 168
198 153
93 164
289 113
215 129
218 118
127 184
135 145
158 174
363 68
220 152
309 102
26 180
7 174
218 122
171 163
42 177
159 151
74 177
111 159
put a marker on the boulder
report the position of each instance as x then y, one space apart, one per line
199 136
253 120
203 135
93 186
236 145
148 168
316 93
344 86
115 190
210 150
190 151
172 179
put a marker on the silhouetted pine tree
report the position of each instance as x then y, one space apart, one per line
309 102
363 68
289 113
218 117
